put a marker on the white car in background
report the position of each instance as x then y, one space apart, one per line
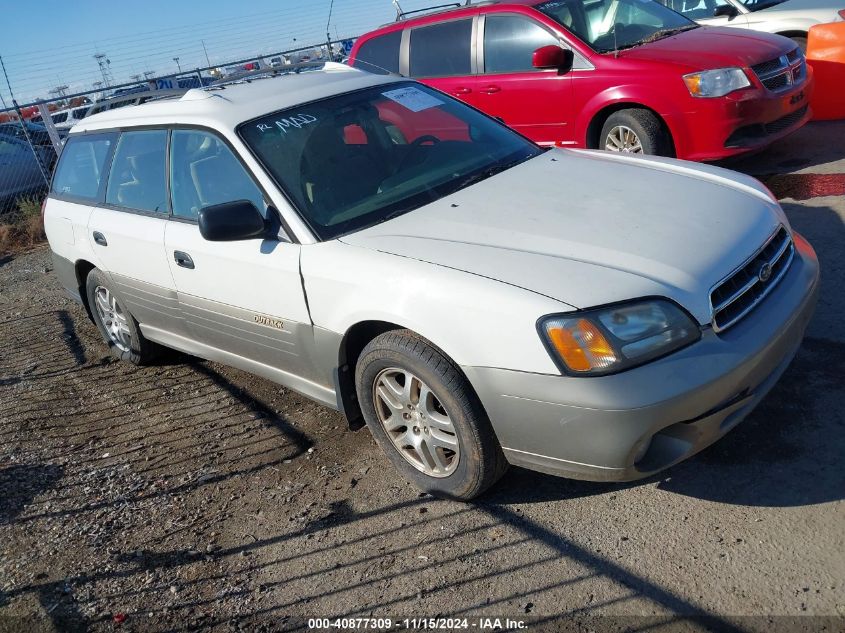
392 253
791 18
65 119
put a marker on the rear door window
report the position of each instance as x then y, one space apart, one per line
79 173
380 55
510 42
137 178
442 50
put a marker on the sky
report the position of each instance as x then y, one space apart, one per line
49 43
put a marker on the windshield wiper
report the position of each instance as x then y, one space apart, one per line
491 171
662 33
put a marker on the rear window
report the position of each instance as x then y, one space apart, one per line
442 50
380 55
61 117
80 170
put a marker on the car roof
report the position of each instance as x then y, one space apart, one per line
444 12
227 105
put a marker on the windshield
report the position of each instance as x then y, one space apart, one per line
608 25
358 159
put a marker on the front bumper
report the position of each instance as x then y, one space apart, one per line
742 122
636 423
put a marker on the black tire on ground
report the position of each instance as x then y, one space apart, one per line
481 461
801 40
652 135
141 351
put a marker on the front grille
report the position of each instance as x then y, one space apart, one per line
742 290
782 72
785 122
777 82
767 67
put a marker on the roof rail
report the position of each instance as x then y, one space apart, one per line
401 15
276 71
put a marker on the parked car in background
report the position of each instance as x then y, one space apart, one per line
790 18
134 98
622 75
20 174
37 133
65 119
394 254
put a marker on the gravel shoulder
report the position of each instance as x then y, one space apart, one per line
190 496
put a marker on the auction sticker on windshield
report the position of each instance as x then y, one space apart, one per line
412 98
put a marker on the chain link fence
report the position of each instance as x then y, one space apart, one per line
32 135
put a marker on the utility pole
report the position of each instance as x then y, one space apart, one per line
205 50
329 33
176 59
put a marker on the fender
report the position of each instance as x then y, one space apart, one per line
634 95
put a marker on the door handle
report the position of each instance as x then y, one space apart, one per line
183 259
463 91
100 239
489 90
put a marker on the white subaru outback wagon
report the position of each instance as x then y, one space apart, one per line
395 254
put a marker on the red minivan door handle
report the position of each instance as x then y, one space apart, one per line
462 91
489 90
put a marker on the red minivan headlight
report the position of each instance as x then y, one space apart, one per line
716 83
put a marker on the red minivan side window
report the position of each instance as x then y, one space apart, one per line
442 50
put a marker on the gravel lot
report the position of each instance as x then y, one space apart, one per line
192 496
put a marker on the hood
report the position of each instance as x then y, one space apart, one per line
812 10
710 47
833 6
590 228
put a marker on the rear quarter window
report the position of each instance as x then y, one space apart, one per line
380 55
80 172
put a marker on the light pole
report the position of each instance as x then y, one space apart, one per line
176 59
103 62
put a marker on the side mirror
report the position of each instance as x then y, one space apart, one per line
231 222
725 10
552 56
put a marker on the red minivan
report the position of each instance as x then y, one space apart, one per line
623 75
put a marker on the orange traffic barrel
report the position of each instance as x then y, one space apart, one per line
826 54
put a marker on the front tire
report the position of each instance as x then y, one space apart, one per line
118 327
635 131
425 416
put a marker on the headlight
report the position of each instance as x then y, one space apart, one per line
609 340
716 83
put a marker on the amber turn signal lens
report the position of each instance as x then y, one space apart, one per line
582 346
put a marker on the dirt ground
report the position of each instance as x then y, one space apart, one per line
190 496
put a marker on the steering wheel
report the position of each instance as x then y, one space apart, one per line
413 146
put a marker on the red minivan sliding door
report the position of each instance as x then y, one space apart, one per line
442 55
536 103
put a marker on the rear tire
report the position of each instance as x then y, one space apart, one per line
118 327
635 131
424 414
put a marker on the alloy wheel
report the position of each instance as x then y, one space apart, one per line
621 138
113 318
416 422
